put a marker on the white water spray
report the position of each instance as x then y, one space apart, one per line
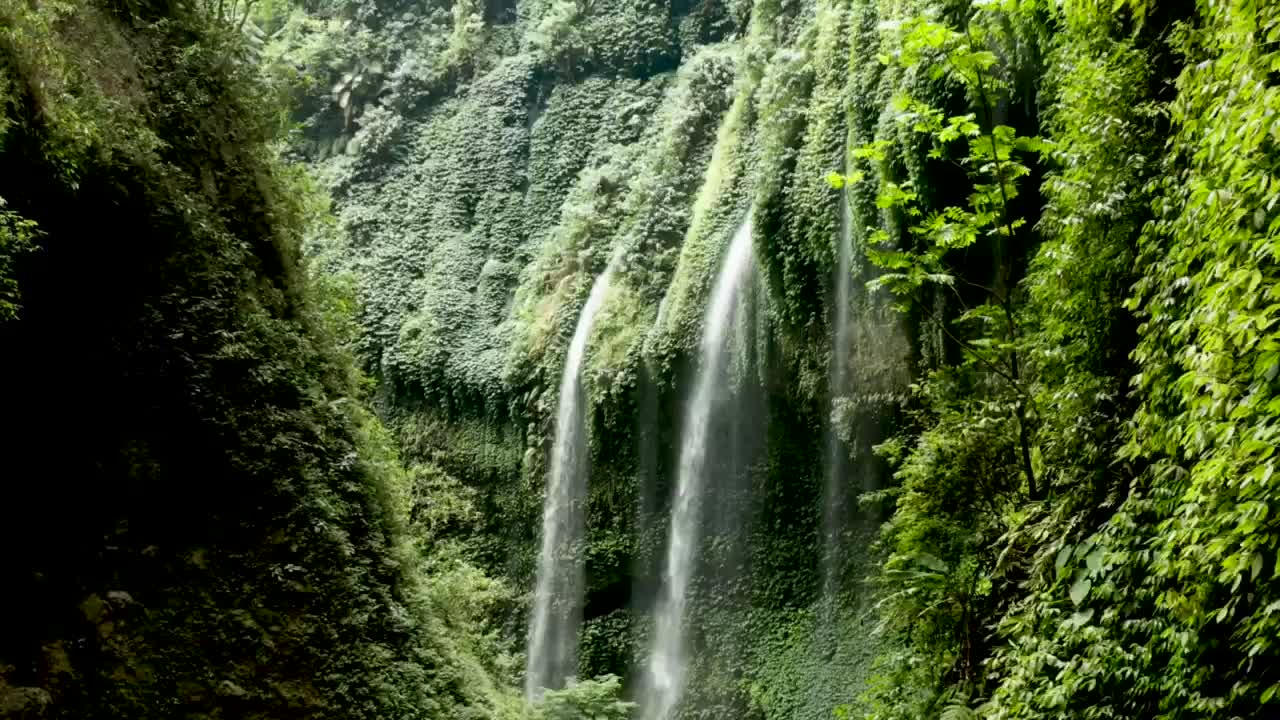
834 496
667 659
557 605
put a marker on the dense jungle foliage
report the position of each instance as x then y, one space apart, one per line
228 531
286 288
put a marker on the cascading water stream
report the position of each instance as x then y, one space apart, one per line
835 500
667 659
826 639
558 598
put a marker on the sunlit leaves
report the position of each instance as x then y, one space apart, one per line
952 228
992 159
1077 284
957 127
597 699
1184 558
1207 337
838 182
17 237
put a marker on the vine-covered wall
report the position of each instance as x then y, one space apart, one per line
997 168
477 202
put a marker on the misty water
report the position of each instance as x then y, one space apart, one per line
558 598
836 501
668 661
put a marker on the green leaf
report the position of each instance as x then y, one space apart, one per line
931 561
958 712
1080 618
1080 588
1064 556
1094 560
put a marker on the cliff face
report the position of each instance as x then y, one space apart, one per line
486 161
198 518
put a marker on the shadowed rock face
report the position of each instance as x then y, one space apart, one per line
197 517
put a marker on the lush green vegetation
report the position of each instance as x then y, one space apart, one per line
1083 491
286 288
223 530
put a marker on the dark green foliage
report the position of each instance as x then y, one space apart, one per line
199 518
16 236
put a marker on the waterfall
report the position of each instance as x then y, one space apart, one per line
835 494
826 641
667 659
557 605
868 371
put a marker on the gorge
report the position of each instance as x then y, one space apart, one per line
639 359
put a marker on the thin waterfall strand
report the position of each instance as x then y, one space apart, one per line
557 605
835 499
667 660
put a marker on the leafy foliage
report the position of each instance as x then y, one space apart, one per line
232 534
16 237
587 700
1115 594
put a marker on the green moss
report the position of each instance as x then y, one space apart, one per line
719 207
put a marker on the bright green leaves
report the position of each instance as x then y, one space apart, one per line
1080 588
905 272
992 155
17 236
958 127
993 161
597 699
1191 549
1211 339
951 229
1033 381
838 182
899 196
923 42
920 116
